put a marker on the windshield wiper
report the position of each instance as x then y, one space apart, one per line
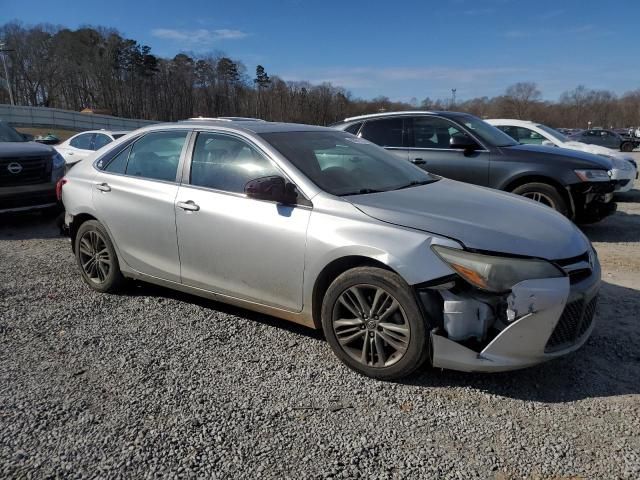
362 191
415 183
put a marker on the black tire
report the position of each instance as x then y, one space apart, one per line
415 345
92 241
544 193
627 147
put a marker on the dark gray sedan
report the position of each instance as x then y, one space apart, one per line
463 147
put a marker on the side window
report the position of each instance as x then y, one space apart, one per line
353 128
226 163
433 132
529 137
83 142
118 164
156 155
511 131
100 141
386 132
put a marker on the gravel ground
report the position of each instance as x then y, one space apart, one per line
156 383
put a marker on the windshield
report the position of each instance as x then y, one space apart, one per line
342 164
554 133
487 133
8 134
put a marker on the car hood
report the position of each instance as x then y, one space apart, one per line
479 218
585 159
616 156
24 149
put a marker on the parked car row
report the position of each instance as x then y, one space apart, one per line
397 265
606 138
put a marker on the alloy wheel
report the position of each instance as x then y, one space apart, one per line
95 260
541 198
371 326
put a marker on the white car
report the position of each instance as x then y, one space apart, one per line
84 144
624 171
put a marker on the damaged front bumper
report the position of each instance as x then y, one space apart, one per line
593 201
542 319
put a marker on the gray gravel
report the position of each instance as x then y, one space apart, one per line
156 383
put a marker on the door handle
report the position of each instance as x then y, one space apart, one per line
189 205
103 187
69 153
418 161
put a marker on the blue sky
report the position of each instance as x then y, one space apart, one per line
401 49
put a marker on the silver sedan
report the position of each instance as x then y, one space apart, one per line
397 266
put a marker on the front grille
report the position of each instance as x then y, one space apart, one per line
573 324
27 199
34 170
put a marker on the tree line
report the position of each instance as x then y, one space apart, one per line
98 68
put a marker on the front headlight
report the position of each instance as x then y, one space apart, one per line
58 161
495 274
593 175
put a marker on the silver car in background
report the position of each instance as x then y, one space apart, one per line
397 266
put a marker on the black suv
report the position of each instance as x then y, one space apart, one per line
29 172
463 147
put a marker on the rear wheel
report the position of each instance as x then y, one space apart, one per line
543 193
373 324
97 258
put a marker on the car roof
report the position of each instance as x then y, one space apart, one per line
510 121
247 125
391 114
108 132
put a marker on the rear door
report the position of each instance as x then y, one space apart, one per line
610 140
231 244
390 133
429 141
100 140
78 148
134 195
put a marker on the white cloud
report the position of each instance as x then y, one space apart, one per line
200 37
365 77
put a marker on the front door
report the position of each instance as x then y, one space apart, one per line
231 244
429 141
134 196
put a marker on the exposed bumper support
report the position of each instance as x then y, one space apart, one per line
537 305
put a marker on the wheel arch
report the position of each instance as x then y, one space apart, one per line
78 220
538 178
330 272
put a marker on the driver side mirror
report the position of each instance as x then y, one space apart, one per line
548 143
463 142
273 188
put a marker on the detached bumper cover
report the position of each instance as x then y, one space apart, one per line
553 318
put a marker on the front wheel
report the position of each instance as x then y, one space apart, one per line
373 324
627 147
545 194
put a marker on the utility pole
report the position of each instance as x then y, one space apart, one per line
6 71
453 96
